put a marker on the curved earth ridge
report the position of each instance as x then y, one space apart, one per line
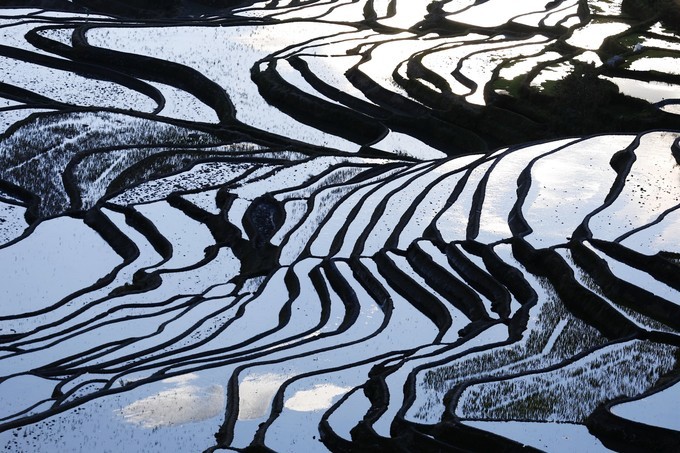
275 254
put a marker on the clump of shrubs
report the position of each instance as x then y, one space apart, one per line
667 11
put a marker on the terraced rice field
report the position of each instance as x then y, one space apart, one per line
339 225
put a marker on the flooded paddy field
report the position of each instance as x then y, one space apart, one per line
339 225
